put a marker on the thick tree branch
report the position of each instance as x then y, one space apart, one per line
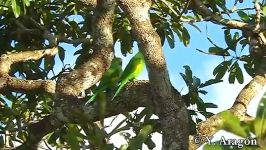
126 101
247 94
14 84
174 118
7 60
91 71
239 108
8 83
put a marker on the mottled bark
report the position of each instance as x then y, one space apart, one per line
169 106
209 127
126 101
13 84
91 71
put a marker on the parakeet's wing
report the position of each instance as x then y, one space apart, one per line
109 79
132 70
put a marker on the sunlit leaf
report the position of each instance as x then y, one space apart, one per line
232 124
264 10
137 142
260 121
15 8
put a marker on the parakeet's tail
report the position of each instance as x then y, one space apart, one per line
91 99
119 89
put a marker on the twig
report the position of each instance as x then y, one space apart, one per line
257 17
226 22
170 7
195 20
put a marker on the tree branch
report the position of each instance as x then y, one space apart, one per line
209 127
126 101
14 84
226 22
37 131
91 3
91 71
173 119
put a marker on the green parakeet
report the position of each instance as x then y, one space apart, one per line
109 79
132 70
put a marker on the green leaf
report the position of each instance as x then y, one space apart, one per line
72 136
170 38
239 74
235 73
150 144
196 82
227 37
209 82
123 147
144 133
243 16
187 76
218 51
210 105
22 135
196 27
126 44
202 92
232 124
175 28
264 10
2 142
49 63
249 69
201 104
26 2
53 137
15 8
214 146
221 69
232 76
234 41
161 33
185 37
261 111
188 72
61 53
260 121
